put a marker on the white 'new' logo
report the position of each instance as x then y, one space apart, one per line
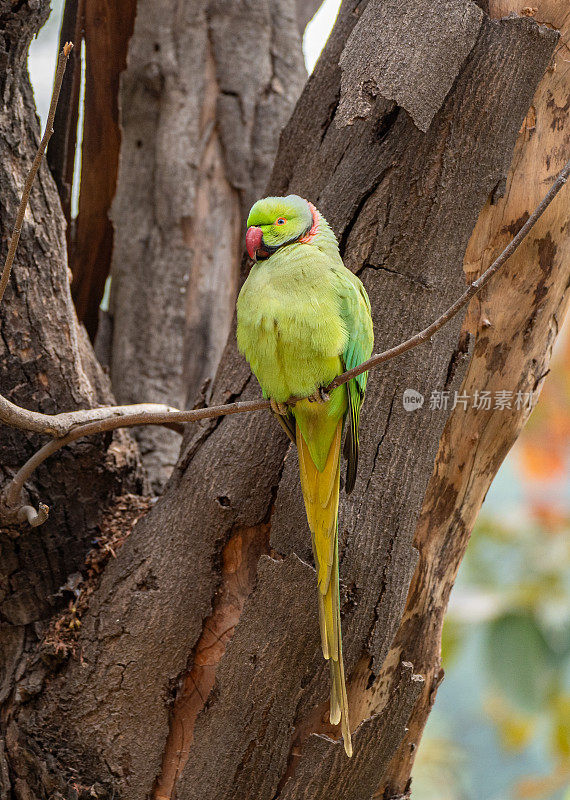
412 400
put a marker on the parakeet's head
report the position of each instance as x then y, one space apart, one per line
278 221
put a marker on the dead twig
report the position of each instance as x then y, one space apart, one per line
61 65
70 426
82 423
112 417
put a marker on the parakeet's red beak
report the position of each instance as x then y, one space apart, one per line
253 239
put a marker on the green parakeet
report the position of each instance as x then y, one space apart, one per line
302 319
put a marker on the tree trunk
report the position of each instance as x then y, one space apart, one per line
200 669
47 365
208 88
107 28
513 325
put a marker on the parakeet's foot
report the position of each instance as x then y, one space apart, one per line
279 408
320 396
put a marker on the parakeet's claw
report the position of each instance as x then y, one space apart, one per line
320 396
279 408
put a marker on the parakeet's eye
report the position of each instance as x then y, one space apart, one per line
280 221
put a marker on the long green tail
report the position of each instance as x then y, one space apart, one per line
320 491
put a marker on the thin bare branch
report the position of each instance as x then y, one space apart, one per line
58 425
112 417
67 427
128 417
78 424
462 301
61 64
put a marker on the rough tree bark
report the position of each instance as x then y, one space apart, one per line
512 344
200 668
225 550
46 364
208 88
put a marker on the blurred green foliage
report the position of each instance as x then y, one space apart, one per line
500 729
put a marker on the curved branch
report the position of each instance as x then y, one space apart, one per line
69 426
88 422
473 289
131 418
59 425
33 517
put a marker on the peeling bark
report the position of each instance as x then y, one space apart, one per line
239 571
201 121
416 77
513 325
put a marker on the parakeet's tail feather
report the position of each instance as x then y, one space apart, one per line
320 491
323 626
335 709
355 398
338 667
288 425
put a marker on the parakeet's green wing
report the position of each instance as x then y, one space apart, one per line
355 310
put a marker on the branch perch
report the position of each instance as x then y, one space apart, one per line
69 426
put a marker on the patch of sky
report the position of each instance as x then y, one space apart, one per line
317 32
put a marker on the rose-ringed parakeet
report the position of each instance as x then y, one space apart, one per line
302 319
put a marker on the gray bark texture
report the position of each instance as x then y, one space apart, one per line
208 88
198 671
46 364
387 63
